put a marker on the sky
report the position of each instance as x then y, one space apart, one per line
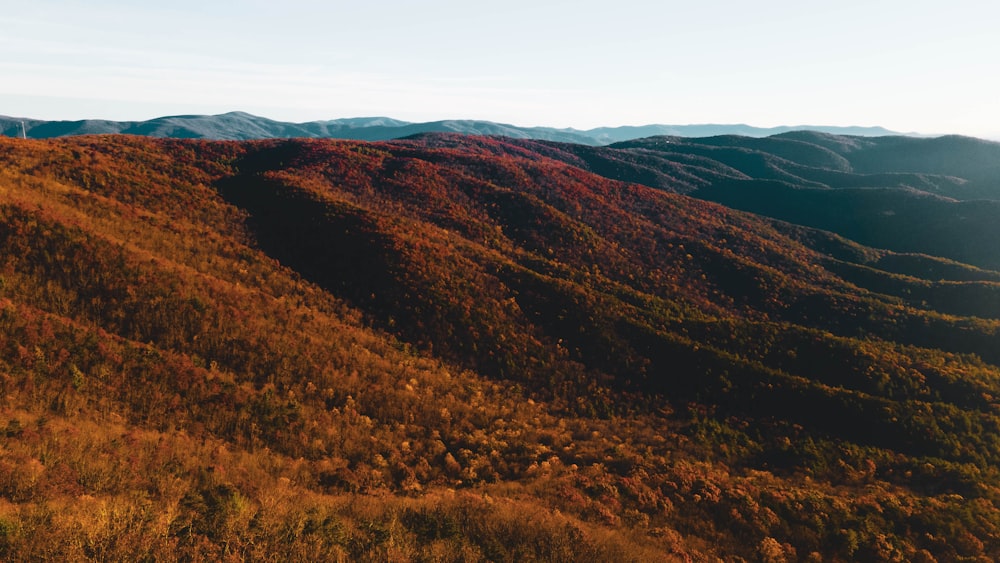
910 66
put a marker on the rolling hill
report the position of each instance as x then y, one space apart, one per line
933 196
244 126
453 348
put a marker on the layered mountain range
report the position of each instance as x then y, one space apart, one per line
936 196
244 126
451 347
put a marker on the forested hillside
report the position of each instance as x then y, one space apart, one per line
452 348
934 196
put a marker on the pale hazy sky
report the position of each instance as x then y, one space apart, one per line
926 66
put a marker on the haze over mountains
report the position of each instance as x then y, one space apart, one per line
243 126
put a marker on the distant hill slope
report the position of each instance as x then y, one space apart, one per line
243 126
461 348
937 196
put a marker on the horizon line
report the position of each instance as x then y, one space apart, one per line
472 119
778 128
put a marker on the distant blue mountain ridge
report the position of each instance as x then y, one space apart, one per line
244 126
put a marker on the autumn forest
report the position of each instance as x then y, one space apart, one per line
460 348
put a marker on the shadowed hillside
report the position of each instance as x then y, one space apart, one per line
900 193
466 348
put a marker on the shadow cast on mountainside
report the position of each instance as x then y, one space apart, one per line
332 244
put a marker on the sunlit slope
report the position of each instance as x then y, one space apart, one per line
464 348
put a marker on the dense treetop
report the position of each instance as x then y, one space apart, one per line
460 348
